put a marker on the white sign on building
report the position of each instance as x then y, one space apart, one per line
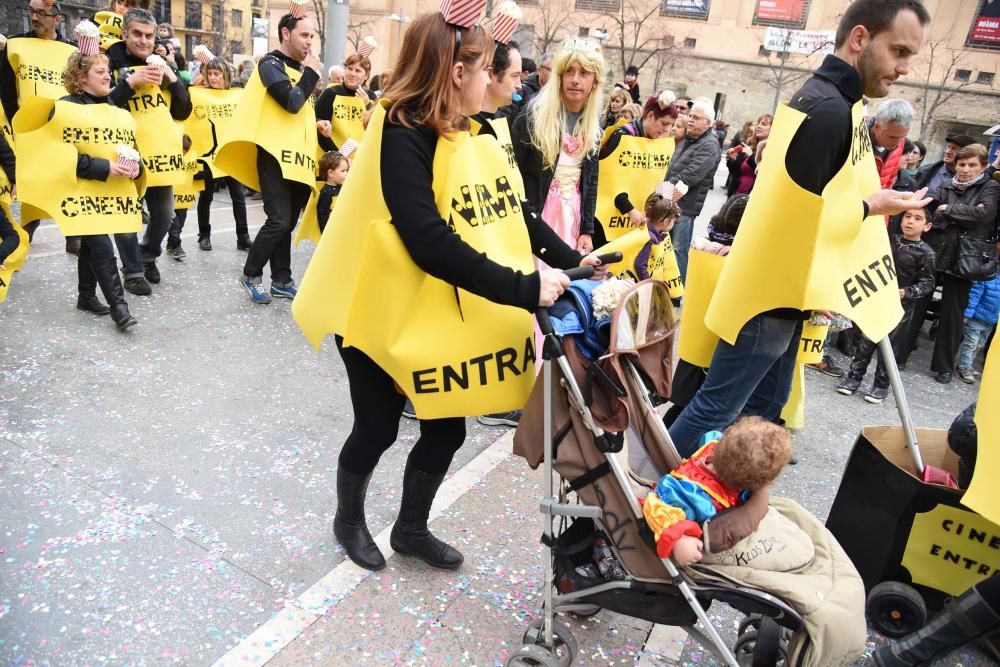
799 41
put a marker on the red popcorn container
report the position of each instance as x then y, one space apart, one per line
462 13
504 27
296 9
128 159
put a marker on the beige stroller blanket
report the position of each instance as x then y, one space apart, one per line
827 592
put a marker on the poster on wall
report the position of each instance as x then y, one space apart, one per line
788 13
986 25
689 9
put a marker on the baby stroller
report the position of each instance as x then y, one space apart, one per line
581 410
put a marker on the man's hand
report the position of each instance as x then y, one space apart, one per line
144 76
637 218
585 244
169 73
687 550
890 202
312 62
118 171
324 127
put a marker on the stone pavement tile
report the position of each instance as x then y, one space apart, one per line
91 577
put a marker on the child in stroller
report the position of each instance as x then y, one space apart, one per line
722 474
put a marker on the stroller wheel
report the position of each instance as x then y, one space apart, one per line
564 648
530 655
895 609
749 622
762 646
592 610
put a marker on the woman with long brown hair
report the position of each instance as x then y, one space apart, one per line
742 158
426 265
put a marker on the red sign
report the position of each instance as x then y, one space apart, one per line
782 11
986 24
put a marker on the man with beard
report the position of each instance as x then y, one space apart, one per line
758 308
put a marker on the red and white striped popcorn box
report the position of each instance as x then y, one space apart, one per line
347 150
462 13
204 54
367 46
128 159
88 38
296 9
505 21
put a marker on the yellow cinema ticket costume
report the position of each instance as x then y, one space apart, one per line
502 130
453 353
212 112
160 138
309 227
15 260
983 495
260 121
636 167
38 65
799 250
347 119
46 167
810 352
662 263
186 194
109 24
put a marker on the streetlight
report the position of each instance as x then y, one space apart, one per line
400 19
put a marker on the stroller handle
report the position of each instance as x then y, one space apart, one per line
579 273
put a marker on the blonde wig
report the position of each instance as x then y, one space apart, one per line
547 115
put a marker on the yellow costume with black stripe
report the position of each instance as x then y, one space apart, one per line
453 353
160 137
211 115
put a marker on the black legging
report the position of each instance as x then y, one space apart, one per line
951 327
236 193
377 409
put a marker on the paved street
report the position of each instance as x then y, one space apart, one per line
167 493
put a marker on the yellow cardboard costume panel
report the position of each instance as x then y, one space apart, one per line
309 227
799 250
160 138
810 352
453 353
662 264
636 167
16 259
950 549
212 112
983 494
46 167
109 24
502 130
186 194
38 65
347 121
261 121
697 342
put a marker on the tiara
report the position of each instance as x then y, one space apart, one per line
581 45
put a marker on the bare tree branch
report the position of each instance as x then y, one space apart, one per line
634 35
939 64
551 24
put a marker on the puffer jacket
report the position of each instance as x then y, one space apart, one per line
694 162
984 301
971 212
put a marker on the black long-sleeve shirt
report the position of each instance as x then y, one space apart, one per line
9 239
7 160
122 62
324 204
914 262
8 79
407 173
92 168
272 74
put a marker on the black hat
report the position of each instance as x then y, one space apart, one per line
960 140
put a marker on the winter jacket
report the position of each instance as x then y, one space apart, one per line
914 262
694 162
888 165
971 212
537 178
984 301
529 88
963 439
735 165
927 172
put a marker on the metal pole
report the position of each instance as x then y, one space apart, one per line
889 359
547 369
335 42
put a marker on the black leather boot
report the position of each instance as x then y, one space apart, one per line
106 272
349 525
87 286
964 619
410 535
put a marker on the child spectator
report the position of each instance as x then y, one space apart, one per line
661 214
980 317
724 473
334 167
914 261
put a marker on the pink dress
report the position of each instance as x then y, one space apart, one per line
561 210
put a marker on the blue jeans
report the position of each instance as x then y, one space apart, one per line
128 251
680 236
752 377
977 332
